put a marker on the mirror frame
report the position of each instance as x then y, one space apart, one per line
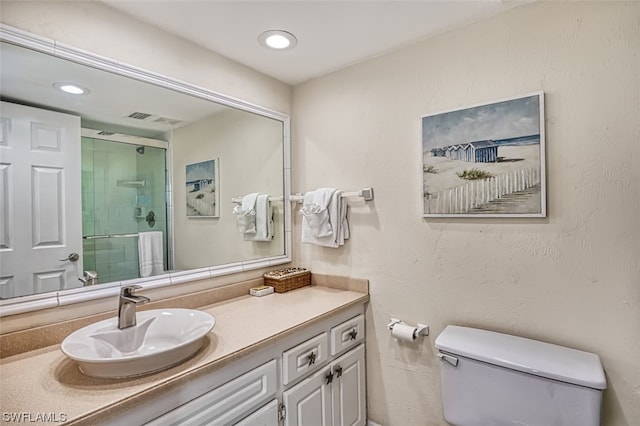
60 298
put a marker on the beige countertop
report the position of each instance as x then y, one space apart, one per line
46 381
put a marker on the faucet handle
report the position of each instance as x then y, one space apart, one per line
90 274
129 290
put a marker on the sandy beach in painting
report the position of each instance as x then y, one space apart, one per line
447 193
207 200
513 158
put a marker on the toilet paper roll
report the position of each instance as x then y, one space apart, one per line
404 332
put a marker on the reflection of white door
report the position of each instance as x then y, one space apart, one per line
40 198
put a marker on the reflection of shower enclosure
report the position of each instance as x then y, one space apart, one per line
123 193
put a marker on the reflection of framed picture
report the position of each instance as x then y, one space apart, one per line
203 189
486 160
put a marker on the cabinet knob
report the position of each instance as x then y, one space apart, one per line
312 358
353 334
338 371
329 377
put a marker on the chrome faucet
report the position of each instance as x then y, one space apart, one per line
89 278
127 306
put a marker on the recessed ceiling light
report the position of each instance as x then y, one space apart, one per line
72 88
278 40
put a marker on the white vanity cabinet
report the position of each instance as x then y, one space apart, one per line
311 376
333 396
225 404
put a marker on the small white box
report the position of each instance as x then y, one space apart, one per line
263 290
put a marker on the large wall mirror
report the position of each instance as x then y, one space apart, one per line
144 179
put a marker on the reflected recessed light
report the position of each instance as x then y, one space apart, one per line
71 88
277 40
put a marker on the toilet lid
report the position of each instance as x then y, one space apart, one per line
526 355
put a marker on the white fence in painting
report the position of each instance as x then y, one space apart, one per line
464 198
204 208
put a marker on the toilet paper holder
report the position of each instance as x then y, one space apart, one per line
421 329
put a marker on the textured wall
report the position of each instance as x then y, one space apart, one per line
570 279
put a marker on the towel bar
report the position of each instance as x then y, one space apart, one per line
100 237
364 193
239 200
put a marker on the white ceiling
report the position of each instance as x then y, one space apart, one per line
331 34
27 76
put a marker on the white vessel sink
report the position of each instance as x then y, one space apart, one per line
162 338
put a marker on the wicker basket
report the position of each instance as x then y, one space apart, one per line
283 280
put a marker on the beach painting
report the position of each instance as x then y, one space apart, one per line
203 189
486 160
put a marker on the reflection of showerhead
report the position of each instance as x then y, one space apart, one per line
140 150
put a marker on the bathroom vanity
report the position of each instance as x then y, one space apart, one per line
290 358
318 371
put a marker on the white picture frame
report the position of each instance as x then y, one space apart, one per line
485 160
203 189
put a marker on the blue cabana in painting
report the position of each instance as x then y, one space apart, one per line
475 152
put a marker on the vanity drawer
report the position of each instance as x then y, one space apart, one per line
347 334
265 416
227 403
304 358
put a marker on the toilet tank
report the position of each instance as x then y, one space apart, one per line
494 379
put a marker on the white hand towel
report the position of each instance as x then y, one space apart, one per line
315 212
150 253
246 213
346 233
337 212
264 220
343 208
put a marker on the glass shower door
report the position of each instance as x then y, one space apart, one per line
123 194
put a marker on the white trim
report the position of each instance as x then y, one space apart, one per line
122 138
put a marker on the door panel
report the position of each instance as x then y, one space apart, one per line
40 216
5 203
348 391
47 195
309 402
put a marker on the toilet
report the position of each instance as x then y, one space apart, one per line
494 379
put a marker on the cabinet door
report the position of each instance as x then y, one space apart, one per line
348 389
266 416
309 402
